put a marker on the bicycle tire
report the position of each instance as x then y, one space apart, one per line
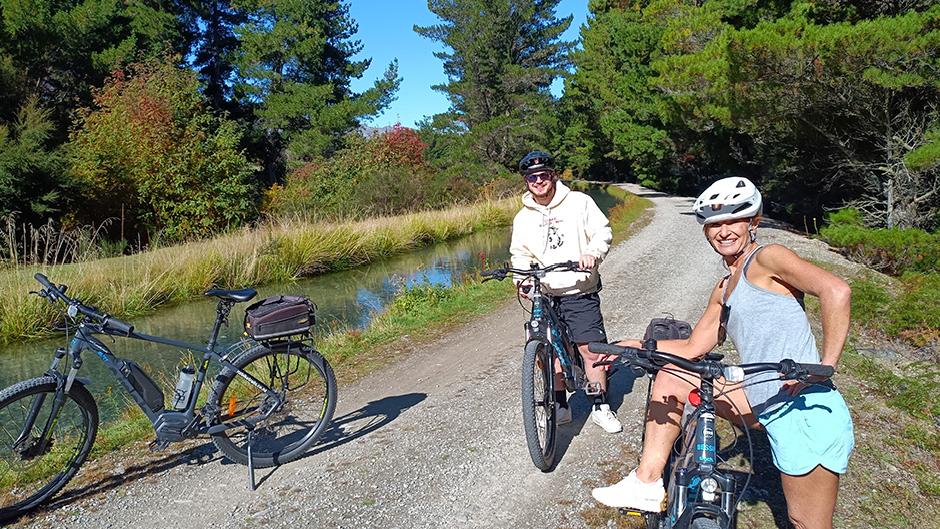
302 377
27 479
538 404
704 523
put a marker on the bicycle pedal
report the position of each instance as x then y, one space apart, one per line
592 388
631 512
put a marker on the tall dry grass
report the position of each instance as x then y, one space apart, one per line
279 250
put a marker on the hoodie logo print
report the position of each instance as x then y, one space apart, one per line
555 239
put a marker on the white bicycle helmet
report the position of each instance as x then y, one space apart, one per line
729 198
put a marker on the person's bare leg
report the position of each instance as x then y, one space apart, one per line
811 498
662 425
669 393
593 374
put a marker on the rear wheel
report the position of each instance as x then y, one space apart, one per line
538 404
33 469
305 383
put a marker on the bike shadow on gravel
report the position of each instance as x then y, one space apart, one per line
621 383
365 420
95 479
356 424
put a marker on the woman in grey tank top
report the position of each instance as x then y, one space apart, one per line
759 305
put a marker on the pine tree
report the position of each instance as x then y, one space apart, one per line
214 50
294 66
502 58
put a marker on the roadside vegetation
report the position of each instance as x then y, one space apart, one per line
895 355
280 250
147 126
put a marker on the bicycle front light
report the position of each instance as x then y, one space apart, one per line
709 488
733 374
709 485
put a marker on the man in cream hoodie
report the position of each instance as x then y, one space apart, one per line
555 225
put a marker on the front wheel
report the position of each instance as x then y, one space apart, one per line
33 466
704 523
305 383
538 404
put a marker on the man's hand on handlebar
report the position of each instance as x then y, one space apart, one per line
587 262
525 291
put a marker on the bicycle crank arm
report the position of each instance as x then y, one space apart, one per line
247 423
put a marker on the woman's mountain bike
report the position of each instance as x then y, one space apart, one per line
547 340
267 405
699 494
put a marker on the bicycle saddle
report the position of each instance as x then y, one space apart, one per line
243 294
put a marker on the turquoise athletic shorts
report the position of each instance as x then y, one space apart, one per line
812 428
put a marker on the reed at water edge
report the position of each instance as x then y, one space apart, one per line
279 250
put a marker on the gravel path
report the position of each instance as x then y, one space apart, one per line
435 440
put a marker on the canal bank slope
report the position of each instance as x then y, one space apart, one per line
435 440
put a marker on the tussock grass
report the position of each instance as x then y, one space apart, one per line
279 250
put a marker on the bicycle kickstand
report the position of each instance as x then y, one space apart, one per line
251 464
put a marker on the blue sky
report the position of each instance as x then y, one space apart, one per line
385 29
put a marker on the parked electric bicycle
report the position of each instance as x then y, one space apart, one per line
269 402
699 494
547 339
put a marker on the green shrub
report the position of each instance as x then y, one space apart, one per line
868 302
914 390
915 314
889 250
152 153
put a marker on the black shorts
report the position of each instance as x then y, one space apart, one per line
582 314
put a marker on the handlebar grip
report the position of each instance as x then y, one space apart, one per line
819 370
492 273
43 280
119 327
606 348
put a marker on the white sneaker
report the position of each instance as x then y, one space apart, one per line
606 419
562 415
631 493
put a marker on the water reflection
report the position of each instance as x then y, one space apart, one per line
347 299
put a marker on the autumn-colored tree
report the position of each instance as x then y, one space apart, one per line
150 153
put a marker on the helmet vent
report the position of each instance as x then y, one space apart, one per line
713 197
740 208
740 183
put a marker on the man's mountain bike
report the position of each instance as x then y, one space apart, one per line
269 402
548 341
699 494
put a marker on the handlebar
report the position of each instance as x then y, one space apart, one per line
109 324
500 273
652 360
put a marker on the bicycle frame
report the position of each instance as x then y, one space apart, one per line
545 326
696 462
170 425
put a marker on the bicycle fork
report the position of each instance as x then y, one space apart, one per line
21 445
698 482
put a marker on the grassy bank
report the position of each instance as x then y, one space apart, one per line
419 313
278 251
